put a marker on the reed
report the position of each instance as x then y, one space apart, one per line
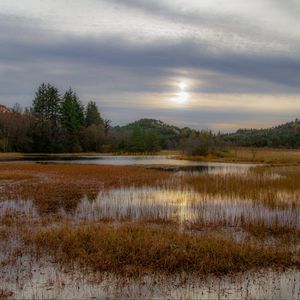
137 249
274 187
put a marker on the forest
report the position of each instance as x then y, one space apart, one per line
60 123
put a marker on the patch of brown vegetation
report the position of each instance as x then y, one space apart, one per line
258 186
253 155
136 249
54 186
260 229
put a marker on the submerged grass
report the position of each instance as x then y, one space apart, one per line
54 186
272 187
136 249
259 228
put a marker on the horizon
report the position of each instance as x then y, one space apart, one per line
209 65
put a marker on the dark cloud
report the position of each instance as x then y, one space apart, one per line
51 54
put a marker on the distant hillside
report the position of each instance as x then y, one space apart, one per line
285 135
168 135
159 126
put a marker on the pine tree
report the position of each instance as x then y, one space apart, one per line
72 119
46 108
136 143
92 116
152 142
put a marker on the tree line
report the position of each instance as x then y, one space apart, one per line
57 123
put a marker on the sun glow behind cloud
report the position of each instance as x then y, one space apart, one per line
182 96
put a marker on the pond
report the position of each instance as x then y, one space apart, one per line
167 163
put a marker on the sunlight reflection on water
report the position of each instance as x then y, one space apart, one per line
180 205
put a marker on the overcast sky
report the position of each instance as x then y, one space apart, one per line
218 64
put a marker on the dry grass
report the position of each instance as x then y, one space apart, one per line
258 185
135 250
154 241
261 229
15 176
63 185
253 155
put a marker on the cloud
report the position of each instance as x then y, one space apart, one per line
134 65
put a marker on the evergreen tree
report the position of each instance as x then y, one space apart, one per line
92 116
152 142
136 142
46 108
72 119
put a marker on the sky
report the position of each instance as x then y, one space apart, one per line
217 64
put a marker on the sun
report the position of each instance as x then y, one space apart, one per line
182 96
182 85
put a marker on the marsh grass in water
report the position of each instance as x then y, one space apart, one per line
136 221
136 249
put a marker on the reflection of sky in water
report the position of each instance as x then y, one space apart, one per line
46 283
22 207
180 205
143 160
170 204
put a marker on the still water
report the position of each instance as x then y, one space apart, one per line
158 161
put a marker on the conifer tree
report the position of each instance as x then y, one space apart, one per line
46 108
92 116
72 119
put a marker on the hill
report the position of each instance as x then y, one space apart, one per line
169 135
285 135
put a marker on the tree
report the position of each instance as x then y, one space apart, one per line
152 142
72 120
14 131
107 126
136 141
92 116
92 137
198 143
17 108
46 108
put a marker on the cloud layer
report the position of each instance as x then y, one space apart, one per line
130 55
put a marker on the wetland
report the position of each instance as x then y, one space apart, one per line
155 228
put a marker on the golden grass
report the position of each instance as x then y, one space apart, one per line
253 155
261 229
15 176
63 185
136 249
152 242
258 185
